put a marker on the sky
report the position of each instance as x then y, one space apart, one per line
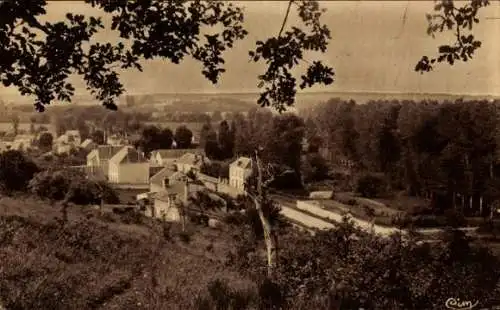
374 48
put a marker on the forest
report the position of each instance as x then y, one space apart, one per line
446 151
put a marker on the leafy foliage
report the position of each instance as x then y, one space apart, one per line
183 137
39 63
284 52
371 186
458 19
45 141
71 186
16 170
334 270
314 168
153 138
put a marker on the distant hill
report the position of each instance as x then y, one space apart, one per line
242 102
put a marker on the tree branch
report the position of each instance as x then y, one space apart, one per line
286 18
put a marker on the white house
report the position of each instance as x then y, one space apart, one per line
71 139
164 157
190 161
161 180
128 166
98 159
166 203
22 142
116 140
239 171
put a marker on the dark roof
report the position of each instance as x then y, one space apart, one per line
242 162
174 153
158 178
105 152
176 188
128 154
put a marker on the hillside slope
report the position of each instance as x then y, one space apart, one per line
95 262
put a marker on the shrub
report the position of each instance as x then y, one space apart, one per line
56 185
131 217
369 211
16 171
370 186
219 295
454 218
185 237
351 202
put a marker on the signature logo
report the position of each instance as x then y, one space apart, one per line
457 304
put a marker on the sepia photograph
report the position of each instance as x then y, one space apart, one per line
249 155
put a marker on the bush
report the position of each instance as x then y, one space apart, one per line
371 186
200 219
369 211
56 185
489 227
185 237
454 218
131 217
429 221
16 171
220 296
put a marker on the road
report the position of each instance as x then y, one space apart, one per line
322 219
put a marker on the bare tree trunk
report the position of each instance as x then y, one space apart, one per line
269 237
480 205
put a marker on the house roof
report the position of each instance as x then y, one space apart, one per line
158 178
106 152
127 154
242 162
24 137
191 159
87 143
176 188
72 133
171 153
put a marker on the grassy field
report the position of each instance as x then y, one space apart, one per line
100 262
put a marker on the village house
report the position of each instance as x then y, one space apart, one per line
116 140
166 157
191 162
71 139
128 166
177 189
239 171
161 180
22 142
98 160
166 203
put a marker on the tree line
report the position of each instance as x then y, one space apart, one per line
443 151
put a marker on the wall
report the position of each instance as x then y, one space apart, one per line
153 187
229 190
315 208
136 173
208 181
